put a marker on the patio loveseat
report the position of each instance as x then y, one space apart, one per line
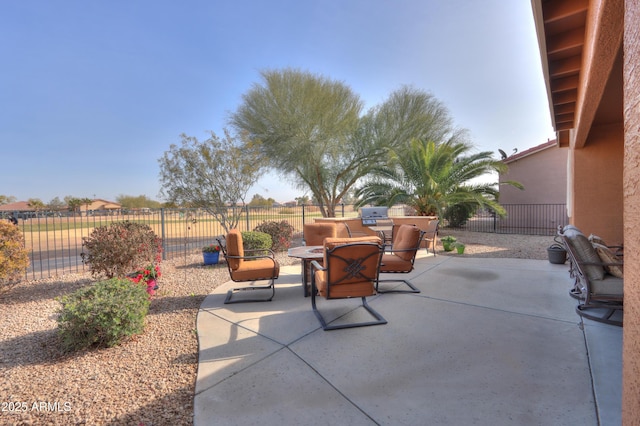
598 275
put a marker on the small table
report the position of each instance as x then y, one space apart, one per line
307 254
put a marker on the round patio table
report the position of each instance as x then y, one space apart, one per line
307 254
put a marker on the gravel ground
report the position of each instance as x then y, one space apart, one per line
150 379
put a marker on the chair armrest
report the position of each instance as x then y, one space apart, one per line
269 253
252 257
316 266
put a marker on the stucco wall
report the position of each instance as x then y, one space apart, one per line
631 188
544 176
597 197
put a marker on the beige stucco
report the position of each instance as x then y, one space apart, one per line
631 194
597 184
543 175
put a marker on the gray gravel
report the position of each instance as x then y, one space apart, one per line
150 379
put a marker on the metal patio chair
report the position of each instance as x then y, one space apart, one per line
350 270
245 267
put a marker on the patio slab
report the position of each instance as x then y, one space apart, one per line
487 341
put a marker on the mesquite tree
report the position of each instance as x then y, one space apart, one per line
313 130
214 174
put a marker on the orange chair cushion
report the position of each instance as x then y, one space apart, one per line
315 233
258 269
342 230
235 248
339 291
394 263
407 238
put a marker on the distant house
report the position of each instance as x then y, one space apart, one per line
99 204
18 206
542 170
19 209
24 210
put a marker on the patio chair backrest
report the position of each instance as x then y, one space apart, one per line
343 230
352 269
407 238
235 247
315 233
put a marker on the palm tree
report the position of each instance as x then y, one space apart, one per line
433 178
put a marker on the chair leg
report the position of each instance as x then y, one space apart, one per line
233 291
379 319
429 243
413 289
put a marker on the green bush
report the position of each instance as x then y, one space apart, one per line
102 314
458 214
252 240
14 258
120 248
280 232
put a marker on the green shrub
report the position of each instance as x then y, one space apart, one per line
252 240
120 248
102 314
280 232
458 214
14 258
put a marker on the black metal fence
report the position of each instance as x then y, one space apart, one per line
54 241
525 219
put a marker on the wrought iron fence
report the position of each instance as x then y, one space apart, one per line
525 219
54 239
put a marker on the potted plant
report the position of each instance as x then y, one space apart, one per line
459 247
447 242
148 276
211 254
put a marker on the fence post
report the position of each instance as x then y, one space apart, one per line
495 222
246 209
303 214
163 234
342 204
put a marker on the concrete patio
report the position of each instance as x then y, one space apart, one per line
487 342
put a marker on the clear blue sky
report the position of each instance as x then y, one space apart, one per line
92 93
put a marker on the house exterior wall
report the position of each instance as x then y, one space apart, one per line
604 176
544 176
100 205
631 191
596 197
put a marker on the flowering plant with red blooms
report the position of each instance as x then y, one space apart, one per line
151 272
211 248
